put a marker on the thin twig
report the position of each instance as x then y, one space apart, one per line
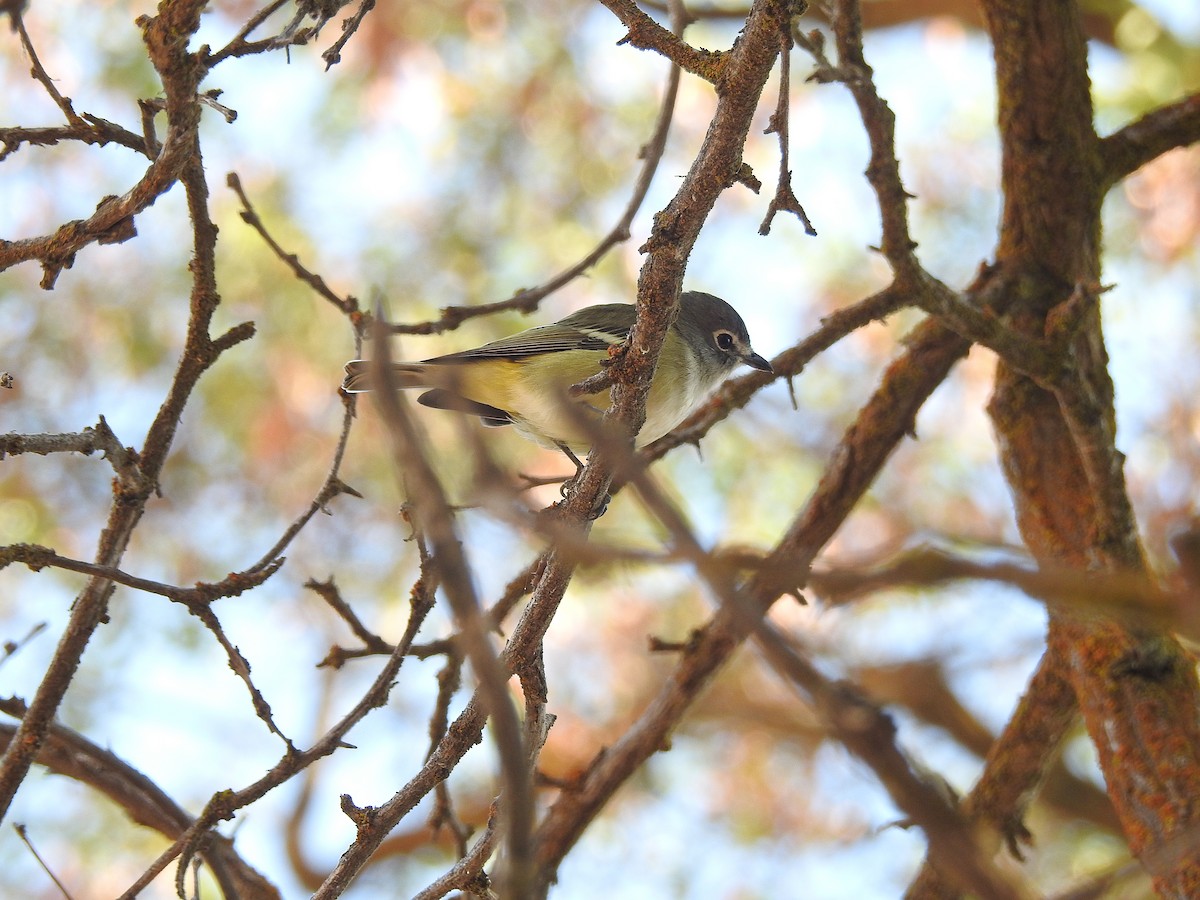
333 55
241 667
883 170
1124 595
36 557
166 40
333 487
10 648
467 873
348 305
239 46
90 129
372 643
527 300
23 835
785 198
38 73
737 392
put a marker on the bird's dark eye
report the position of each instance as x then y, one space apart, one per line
724 340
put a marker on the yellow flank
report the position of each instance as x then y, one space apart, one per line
527 385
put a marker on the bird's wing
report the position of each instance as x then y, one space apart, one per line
593 328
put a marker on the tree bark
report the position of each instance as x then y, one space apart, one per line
1136 689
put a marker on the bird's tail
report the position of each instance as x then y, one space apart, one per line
361 376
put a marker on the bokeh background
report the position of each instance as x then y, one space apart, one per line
459 152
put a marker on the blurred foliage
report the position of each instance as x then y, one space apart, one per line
461 151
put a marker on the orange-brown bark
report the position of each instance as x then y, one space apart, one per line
1136 689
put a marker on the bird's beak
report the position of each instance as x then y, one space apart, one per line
757 362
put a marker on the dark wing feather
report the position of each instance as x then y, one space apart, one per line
439 398
593 328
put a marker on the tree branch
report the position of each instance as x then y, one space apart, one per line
1125 151
124 460
646 34
70 754
785 198
333 55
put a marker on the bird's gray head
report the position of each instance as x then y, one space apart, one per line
711 324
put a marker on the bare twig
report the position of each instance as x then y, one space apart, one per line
333 487
333 55
88 130
240 666
1034 358
1131 596
348 305
114 215
372 643
238 45
883 170
527 300
39 73
467 873
24 836
202 594
785 198
10 648
180 158
737 392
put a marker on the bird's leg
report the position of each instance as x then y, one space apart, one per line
569 484
573 458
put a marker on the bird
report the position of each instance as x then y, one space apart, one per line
522 380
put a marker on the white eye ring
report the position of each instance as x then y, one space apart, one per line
724 340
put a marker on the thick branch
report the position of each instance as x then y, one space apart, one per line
1135 686
1015 768
1127 150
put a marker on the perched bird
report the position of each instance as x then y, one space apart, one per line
523 380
